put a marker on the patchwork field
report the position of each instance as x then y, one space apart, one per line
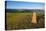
23 21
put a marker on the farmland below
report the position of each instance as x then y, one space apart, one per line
22 20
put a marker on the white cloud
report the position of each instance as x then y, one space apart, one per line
29 8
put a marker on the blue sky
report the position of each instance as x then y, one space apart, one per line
24 5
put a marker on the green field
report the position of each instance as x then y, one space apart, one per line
23 21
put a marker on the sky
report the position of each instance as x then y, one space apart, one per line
28 0
24 5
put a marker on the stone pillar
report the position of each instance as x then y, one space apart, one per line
34 18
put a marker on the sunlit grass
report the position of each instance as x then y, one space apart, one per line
19 20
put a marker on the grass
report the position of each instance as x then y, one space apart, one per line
21 21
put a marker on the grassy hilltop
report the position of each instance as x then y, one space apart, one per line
22 19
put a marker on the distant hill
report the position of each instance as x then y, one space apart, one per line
25 10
